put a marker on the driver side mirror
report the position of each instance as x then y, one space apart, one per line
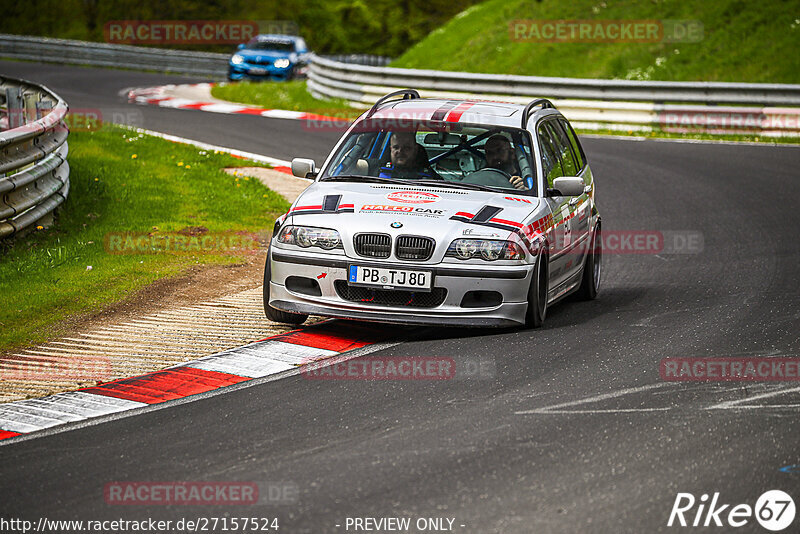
569 186
304 168
240 47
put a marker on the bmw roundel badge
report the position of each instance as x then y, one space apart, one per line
396 224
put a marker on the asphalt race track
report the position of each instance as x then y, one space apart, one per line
565 429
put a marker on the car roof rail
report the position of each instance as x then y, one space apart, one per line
526 113
407 94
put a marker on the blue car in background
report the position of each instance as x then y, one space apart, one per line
270 57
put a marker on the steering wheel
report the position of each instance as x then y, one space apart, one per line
501 171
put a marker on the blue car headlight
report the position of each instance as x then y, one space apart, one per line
237 59
282 63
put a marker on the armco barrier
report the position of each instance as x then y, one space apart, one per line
34 173
113 55
135 57
591 104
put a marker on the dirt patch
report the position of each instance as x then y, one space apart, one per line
197 284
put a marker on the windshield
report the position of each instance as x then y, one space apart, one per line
277 46
459 155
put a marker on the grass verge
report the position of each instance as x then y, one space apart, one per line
741 42
292 96
123 182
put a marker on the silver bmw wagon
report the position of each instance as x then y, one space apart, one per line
447 212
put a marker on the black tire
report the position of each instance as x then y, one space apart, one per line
537 293
592 268
275 315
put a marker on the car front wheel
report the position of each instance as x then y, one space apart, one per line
273 314
537 293
592 268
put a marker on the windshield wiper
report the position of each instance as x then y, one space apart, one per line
366 179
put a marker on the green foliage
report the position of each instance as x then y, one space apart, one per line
166 187
384 27
743 41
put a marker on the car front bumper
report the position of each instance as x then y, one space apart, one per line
511 282
243 71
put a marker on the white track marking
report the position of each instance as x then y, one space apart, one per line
557 408
736 404
205 146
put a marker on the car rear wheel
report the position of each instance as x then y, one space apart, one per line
278 316
537 293
592 268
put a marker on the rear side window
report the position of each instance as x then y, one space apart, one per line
551 163
563 149
577 149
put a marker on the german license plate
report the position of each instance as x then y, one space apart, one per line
390 278
257 70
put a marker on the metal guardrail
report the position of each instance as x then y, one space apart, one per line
113 55
360 59
591 104
136 57
34 173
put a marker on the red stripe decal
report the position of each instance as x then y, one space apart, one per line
166 385
503 221
455 115
464 214
5 434
158 99
346 206
297 208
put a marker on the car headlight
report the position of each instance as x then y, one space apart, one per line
237 59
282 63
308 236
485 249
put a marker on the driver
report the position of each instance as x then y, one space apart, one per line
408 159
500 155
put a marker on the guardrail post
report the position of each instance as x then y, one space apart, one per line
14 107
29 102
43 107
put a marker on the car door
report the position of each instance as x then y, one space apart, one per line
559 207
579 206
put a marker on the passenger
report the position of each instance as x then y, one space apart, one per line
500 155
408 159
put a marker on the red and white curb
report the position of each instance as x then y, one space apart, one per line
168 96
270 356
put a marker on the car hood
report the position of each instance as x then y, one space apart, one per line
441 213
